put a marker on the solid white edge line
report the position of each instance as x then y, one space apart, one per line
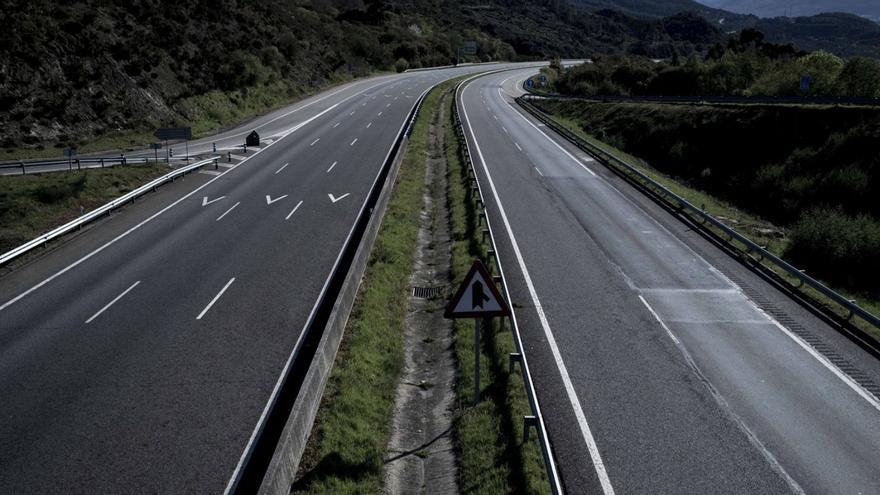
111 303
593 448
172 205
208 307
282 168
657 317
227 211
548 138
293 211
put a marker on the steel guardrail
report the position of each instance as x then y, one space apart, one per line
753 100
94 214
682 204
543 438
78 163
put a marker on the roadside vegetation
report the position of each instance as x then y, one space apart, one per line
31 205
744 66
808 170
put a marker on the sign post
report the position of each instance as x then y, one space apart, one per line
477 298
70 153
156 147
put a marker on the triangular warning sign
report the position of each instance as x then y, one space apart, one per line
477 297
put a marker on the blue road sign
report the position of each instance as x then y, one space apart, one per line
806 80
529 83
543 78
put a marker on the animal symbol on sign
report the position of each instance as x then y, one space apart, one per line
478 297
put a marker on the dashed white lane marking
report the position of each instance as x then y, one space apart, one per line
352 143
293 210
227 211
595 456
282 168
336 125
505 130
517 145
380 114
494 116
368 125
388 105
215 298
111 303
539 172
352 112
331 167
315 141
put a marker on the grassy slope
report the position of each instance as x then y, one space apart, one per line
34 204
493 457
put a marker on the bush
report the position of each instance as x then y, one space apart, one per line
838 247
401 65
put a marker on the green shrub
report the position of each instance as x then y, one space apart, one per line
838 247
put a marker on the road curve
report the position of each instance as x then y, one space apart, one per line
662 366
138 356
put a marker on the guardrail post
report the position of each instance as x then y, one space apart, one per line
229 156
23 170
215 147
123 159
528 423
102 163
215 163
78 165
512 359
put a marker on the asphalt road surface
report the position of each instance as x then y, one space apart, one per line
138 356
662 365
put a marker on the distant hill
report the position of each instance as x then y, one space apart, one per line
843 34
798 8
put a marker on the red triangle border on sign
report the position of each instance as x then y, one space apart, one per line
477 267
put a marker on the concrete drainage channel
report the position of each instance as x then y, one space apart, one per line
270 462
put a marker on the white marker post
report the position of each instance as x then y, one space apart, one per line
477 298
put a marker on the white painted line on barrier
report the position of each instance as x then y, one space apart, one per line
293 210
227 211
215 298
111 303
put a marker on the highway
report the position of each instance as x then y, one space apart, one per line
662 365
138 356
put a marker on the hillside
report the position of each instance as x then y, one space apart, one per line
796 8
843 34
92 68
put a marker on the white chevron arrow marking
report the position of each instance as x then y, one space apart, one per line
205 201
269 199
335 199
